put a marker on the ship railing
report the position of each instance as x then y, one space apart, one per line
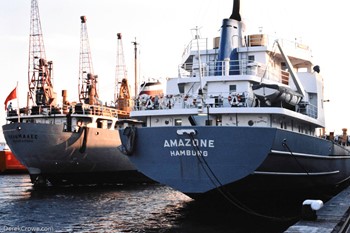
214 100
308 109
210 66
233 67
183 101
252 40
268 40
34 110
194 46
98 110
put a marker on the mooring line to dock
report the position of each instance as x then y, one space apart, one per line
285 145
226 194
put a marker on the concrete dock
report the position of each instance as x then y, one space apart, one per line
333 217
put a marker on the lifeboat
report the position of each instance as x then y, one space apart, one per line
271 94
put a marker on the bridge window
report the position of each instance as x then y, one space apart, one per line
233 88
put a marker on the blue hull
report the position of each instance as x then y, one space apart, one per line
244 159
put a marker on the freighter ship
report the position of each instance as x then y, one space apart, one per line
74 143
241 122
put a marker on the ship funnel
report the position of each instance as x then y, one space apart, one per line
235 11
230 40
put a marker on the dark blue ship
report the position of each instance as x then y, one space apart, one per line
243 119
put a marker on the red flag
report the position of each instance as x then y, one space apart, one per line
11 96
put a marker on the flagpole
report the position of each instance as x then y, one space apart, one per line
18 111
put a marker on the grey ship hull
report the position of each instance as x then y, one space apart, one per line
87 156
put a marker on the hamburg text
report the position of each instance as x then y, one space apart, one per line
189 147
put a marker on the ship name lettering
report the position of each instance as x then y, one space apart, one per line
189 143
23 136
203 153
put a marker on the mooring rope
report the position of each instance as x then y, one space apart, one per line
222 190
285 145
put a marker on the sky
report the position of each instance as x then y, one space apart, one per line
163 29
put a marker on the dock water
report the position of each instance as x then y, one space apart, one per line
333 217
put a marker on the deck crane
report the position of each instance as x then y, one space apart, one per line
122 94
40 79
87 87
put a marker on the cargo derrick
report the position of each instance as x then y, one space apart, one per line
87 87
122 94
40 79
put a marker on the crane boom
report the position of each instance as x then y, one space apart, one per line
122 94
39 69
87 87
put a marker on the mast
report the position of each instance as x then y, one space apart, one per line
199 60
39 69
87 87
135 66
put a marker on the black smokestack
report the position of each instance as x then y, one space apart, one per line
235 11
